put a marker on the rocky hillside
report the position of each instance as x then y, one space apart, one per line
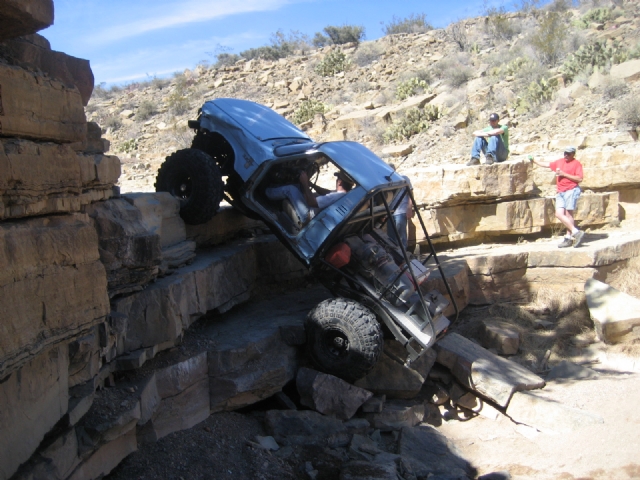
551 74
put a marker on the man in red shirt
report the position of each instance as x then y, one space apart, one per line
568 177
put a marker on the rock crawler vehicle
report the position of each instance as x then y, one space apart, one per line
239 149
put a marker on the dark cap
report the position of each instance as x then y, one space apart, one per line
570 150
494 117
343 176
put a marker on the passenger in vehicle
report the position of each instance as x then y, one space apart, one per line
305 202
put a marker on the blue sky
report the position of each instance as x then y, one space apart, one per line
134 40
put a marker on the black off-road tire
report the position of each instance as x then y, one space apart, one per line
344 338
194 178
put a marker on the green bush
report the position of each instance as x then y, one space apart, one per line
345 34
334 62
414 23
226 60
282 46
594 55
129 146
549 38
146 109
410 87
415 121
595 15
307 111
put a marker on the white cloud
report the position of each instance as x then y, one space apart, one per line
182 13
164 60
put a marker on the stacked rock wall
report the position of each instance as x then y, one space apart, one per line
94 285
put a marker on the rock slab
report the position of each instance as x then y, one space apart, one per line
480 370
615 315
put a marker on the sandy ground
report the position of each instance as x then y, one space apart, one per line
610 450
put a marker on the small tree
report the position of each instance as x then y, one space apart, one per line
549 37
458 33
345 34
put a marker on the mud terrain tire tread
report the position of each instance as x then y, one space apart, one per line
351 320
203 177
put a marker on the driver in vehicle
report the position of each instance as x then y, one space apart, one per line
305 202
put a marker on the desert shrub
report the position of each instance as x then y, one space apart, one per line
367 54
282 46
160 83
307 111
560 6
345 34
334 62
595 15
527 6
414 23
226 59
113 123
99 91
629 111
549 37
594 55
129 146
457 32
454 70
415 121
178 103
613 88
498 24
456 77
146 109
410 87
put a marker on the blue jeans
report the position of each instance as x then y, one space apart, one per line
294 195
493 146
401 224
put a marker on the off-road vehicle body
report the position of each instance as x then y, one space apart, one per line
345 245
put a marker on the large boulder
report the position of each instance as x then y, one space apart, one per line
22 17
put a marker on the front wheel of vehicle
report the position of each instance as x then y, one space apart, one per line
194 178
344 338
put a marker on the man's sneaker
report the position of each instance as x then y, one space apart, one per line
473 161
490 160
577 238
566 242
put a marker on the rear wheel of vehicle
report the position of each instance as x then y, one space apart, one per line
344 338
194 178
